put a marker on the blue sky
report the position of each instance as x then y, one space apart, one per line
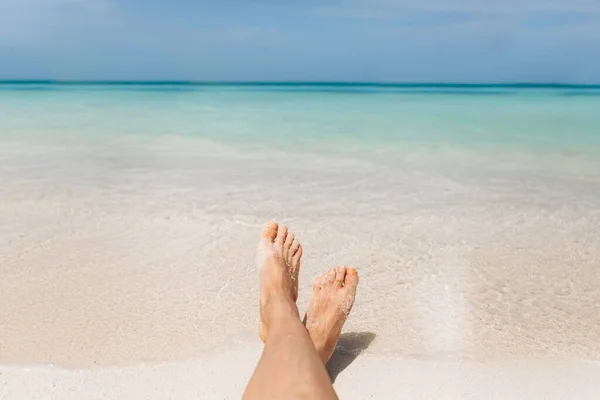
348 40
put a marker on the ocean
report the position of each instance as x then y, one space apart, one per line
130 212
340 117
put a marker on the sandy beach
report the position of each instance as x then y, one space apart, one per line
224 377
128 268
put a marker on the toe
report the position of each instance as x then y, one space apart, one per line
330 276
287 245
270 231
351 280
281 235
294 247
340 274
296 257
289 239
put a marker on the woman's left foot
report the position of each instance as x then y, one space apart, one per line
332 299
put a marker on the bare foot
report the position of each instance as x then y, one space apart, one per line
331 302
278 258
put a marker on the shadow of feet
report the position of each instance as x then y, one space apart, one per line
349 346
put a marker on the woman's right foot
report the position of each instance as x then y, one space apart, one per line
278 259
332 299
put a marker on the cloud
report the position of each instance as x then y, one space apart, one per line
486 6
248 34
407 16
392 40
23 21
415 11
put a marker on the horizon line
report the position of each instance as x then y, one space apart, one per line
299 83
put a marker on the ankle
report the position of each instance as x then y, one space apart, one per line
324 346
279 308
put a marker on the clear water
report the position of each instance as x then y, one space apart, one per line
319 116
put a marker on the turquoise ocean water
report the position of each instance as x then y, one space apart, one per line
329 117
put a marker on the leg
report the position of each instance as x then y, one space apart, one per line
290 367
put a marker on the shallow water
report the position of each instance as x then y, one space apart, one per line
130 215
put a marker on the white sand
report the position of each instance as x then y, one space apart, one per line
133 260
224 377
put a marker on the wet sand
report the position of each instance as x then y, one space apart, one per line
130 264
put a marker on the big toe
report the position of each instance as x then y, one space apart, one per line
270 231
351 279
